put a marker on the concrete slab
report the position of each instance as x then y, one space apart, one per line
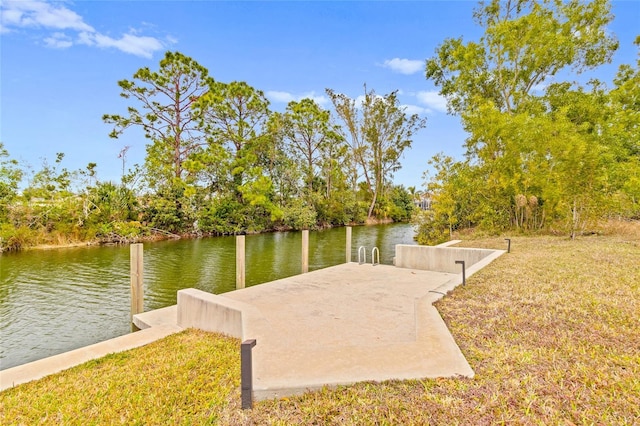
157 318
341 325
448 243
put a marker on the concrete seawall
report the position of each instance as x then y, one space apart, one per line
441 259
220 314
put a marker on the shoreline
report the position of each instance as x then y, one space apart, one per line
49 246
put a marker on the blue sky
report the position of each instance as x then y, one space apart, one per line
61 61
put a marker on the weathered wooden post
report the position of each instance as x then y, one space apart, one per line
348 244
137 279
305 251
240 261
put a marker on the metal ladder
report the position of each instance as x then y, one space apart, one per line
362 255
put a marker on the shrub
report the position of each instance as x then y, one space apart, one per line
298 215
15 239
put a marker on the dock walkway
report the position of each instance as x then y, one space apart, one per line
346 324
339 325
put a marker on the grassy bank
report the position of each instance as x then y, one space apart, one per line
551 330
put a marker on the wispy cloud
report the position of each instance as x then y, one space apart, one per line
415 109
432 100
404 66
286 97
128 43
64 28
40 14
58 41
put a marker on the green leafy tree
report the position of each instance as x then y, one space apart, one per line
526 42
49 204
378 131
51 181
455 200
167 116
622 133
10 177
310 138
166 98
280 166
318 151
235 116
401 204
112 203
536 155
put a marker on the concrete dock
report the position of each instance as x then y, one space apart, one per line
338 325
347 324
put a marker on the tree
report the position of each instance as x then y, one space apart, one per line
524 147
51 182
281 167
167 116
234 115
112 203
310 138
309 134
454 191
622 133
10 177
378 132
526 42
401 204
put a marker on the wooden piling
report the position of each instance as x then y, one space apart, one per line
240 262
137 279
305 251
348 252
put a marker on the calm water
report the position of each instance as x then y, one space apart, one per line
52 301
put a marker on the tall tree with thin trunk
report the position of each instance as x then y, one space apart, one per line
526 43
378 131
165 113
311 138
234 116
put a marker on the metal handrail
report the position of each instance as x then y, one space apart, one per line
364 251
373 258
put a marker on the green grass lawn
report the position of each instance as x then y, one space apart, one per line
552 331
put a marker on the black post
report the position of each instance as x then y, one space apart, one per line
508 240
464 276
246 373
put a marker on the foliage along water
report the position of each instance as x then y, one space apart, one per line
52 301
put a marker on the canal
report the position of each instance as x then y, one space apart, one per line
53 301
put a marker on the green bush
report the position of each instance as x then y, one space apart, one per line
15 239
221 217
298 215
430 231
402 207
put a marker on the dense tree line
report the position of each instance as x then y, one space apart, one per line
543 154
218 161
